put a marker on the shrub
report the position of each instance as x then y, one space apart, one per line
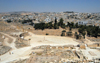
47 34
64 31
62 34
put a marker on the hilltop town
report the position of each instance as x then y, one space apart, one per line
68 16
49 37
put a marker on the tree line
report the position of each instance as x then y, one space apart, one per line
49 25
90 30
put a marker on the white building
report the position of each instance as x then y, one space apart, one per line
82 22
47 19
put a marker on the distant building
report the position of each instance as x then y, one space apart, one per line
47 19
82 22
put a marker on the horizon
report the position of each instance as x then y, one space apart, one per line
85 6
45 12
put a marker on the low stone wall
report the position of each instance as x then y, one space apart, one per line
94 45
48 47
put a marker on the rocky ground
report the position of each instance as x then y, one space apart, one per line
4 49
19 61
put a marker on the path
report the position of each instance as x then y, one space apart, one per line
12 44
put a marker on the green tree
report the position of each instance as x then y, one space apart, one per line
69 33
63 33
84 34
60 22
70 29
55 24
76 25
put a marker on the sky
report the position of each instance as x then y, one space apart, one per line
50 5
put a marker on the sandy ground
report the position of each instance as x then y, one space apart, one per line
36 40
50 40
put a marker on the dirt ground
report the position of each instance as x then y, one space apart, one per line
36 40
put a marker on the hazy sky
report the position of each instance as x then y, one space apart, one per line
50 5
